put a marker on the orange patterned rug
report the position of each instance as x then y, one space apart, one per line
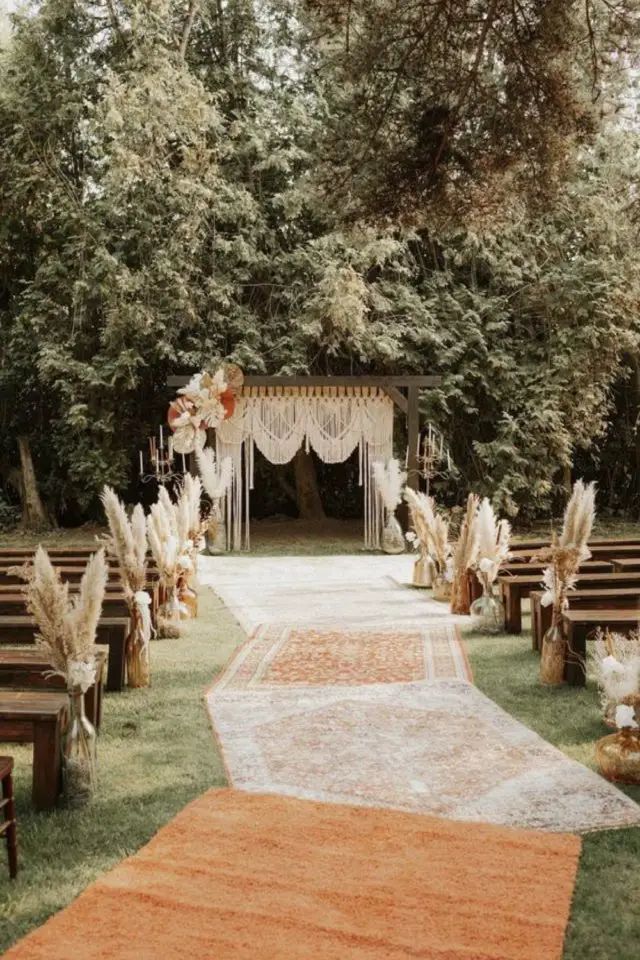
287 656
240 876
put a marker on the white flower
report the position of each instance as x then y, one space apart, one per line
82 674
611 666
486 565
625 716
184 562
410 536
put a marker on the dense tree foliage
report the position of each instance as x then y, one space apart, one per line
164 205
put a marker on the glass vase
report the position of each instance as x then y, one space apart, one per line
392 536
423 572
487 612
441 587
618 756
137 659
552 659
216 532
79 754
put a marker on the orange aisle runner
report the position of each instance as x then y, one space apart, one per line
238 876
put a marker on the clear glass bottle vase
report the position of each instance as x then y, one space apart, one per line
392 536
487 612
216 531
79 754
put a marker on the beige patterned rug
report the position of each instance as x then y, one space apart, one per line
289 656
438 748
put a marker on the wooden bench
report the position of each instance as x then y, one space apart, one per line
515 588
28 669
15 604
626 564
582 625
112 631
38 718
593 599
531 569
599 551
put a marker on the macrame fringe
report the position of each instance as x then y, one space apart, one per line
278 421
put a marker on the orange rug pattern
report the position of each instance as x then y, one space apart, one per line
278 656
240 876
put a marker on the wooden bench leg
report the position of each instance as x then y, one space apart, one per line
11 834
47 764
576 658
513 615
116 666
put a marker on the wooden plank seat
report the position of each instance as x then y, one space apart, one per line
29 670
582 625
626 564
515 588
531 569
599 551
40 718
15 605
112 632
592 599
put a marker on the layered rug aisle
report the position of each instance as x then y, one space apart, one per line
237 876
384 715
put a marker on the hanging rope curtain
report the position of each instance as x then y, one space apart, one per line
333 421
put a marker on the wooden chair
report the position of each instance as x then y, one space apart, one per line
8 821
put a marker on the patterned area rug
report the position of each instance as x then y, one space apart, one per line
289 656
438 748
241 877
365 592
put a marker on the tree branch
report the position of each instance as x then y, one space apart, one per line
194 6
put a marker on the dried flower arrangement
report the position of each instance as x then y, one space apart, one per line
128 543
207 400
389 479
618 754
421 511
216 479
164 535
492 549
565 556
432 534
465 554
614 663
66 634
190 529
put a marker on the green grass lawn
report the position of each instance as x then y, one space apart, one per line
156 753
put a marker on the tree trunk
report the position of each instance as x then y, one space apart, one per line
307 493
34 515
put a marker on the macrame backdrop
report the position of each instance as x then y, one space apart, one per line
333 421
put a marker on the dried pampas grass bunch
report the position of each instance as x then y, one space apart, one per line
564 557
216 475
67 625
389 480
431 529
492 538
422 513
465 555
128 542
191 495
567 553
614 663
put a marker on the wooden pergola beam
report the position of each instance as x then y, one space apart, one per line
301 380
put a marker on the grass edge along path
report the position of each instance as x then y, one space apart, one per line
605 920
156 752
